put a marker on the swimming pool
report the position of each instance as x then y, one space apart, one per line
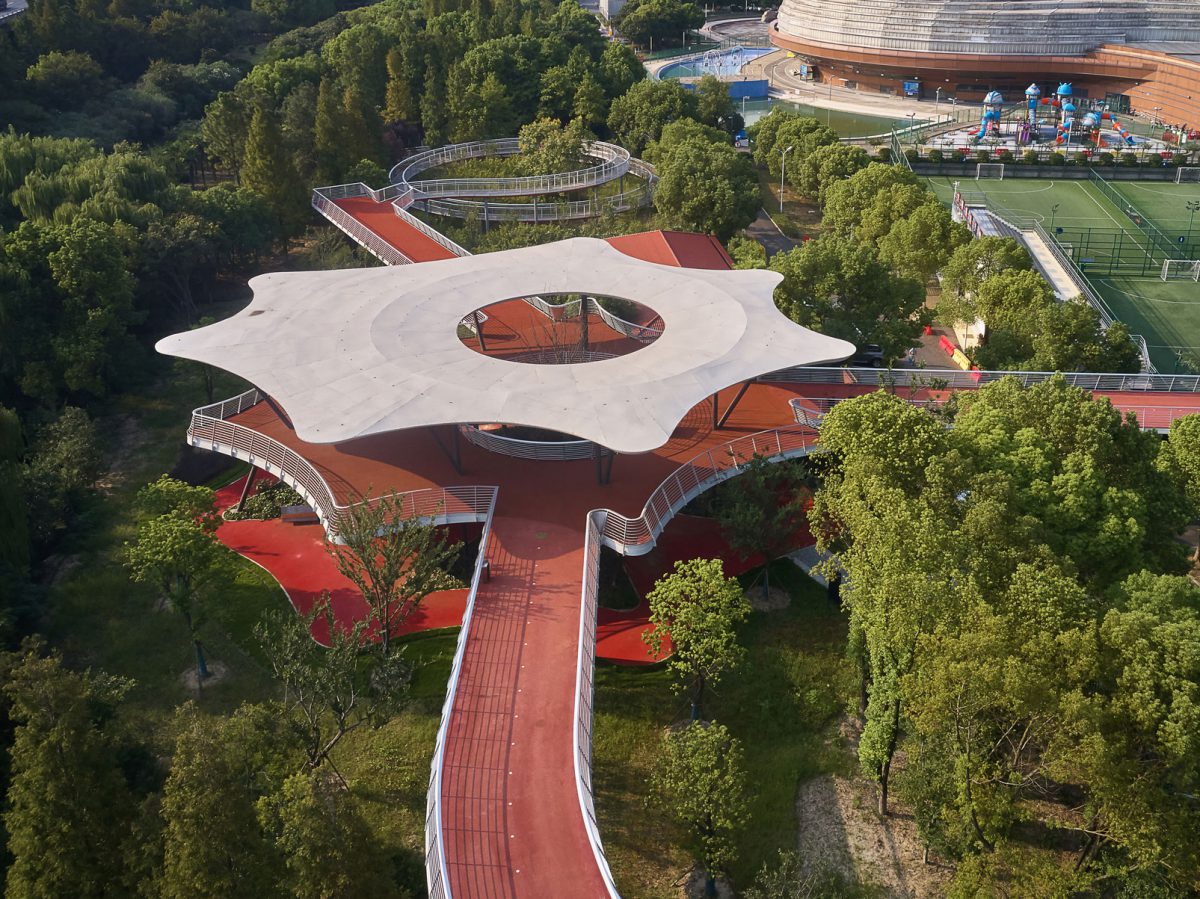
714 62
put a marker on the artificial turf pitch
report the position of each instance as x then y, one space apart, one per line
1166 313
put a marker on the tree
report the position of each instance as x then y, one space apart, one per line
393 558
714 106
67 80
620 69
1070 337
680 132
746 253
849 202
329 851
970 265
699 780
825 166
548 147
176 550
658 22
329 134
64 463
1179 458
224 131
842 289
918 246
782 129
761 510
69 808
213 844
637 117
1012 304
589 104
268 171
695 612
706 187
325 696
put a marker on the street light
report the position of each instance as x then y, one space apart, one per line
937 101
912 125
1053 213
1192 206
782 172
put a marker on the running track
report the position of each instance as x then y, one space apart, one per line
511 818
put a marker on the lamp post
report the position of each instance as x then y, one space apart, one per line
937 100
1053 213
782 171
1192 206
912 125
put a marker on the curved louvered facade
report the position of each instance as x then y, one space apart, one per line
1148 50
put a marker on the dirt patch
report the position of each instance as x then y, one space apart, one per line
128 436
693 887
839 826
776 599
217 672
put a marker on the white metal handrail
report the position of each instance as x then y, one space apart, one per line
811 410
636 536
210 430
368 239
613 161
641 333
436 874
538 450
539 212
955 378
585 691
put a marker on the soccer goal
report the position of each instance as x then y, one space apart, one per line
1181 270
992 170
1187 174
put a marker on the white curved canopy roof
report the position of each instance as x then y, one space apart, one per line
365 351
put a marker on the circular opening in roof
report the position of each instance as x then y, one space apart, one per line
550 329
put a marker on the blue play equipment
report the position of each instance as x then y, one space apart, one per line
993 107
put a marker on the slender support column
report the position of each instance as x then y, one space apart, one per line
453 452
479 334
714 411
604 464
733 405
583 323
246 487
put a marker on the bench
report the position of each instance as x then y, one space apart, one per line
298 515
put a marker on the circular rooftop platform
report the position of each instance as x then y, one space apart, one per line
357 352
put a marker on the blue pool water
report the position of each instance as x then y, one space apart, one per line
714 62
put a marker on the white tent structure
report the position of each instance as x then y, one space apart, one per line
356 352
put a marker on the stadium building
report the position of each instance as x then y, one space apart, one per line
1140 55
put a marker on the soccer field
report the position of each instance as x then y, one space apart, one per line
1120 261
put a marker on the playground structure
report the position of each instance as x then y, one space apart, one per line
1052 121
724 63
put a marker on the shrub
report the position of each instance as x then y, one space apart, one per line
1129 159
1004 156
267 502
912 155
1057 158
935 155
884 154
1030 157
959 156
1107 159
983 156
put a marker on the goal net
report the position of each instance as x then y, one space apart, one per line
993 170
1181 270
1188 174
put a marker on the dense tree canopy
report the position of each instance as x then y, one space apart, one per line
999 574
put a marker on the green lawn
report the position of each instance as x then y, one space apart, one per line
1112 251
781 704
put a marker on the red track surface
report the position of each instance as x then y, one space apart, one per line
382 219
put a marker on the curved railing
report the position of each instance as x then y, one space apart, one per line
585 691
210 430
323 201
636 536
613 161
436 874
538 450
